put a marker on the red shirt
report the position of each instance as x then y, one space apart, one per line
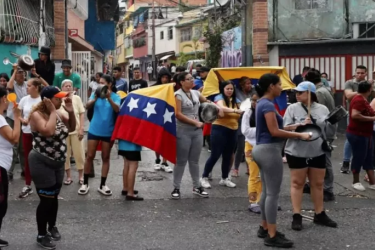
357 127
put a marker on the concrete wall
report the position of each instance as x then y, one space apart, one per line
75 22
166 44
294 25
361 10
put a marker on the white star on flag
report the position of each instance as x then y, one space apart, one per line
133 104
150 109
167 116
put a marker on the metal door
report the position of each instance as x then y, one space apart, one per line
81 64
334 66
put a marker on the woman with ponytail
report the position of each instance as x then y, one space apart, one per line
27 103
270 135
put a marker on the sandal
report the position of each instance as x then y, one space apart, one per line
68 181
80 182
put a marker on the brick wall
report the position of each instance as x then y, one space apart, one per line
260 32
58 51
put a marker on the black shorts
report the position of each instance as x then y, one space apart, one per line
130 155
299 163
98 138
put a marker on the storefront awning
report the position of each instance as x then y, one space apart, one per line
165 57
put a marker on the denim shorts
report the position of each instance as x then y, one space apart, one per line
98 138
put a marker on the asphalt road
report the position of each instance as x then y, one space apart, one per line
219 223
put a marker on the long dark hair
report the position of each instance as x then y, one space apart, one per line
252 116
110 79
265 81
163 72
227 99
3 91
5 76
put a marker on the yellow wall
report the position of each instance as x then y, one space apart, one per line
120 40
200 45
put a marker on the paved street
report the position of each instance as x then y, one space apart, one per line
158 223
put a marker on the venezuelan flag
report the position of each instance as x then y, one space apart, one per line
147 118
211 86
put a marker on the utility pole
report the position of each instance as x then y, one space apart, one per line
247 34
154 65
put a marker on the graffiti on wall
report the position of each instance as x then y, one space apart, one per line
231 55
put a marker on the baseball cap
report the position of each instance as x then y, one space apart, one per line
306 86
51 91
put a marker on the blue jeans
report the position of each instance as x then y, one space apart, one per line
362 152
347 151
223 143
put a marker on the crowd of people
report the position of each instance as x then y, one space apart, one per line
45 128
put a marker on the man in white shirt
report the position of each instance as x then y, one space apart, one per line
149 72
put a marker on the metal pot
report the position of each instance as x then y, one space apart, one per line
314 130
101 91
208 112
26 62
336 115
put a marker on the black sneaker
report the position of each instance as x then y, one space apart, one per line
345 167
323 220
297 222
55 235
3 243
306 188
328 196
278 241
45 242
262 233
176 194
200 191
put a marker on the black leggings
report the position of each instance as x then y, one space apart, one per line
46 213
4 188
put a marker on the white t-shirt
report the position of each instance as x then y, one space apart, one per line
149 70
26 105
173 69
6 148
93 85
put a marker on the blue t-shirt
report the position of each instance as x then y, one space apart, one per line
122 84
220 97
263 135
198 83
103 120
128 146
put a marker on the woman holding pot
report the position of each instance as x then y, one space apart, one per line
269 142
307 158
223 135
359 135
101 128
74 142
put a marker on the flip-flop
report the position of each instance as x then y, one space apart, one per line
68 182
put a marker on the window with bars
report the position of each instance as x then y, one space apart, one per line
311 4
366 30
19 21
170 33
186 34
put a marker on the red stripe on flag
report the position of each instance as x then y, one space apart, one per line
147 134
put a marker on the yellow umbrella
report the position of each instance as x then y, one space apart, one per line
211 84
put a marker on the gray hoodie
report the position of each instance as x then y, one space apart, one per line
308 149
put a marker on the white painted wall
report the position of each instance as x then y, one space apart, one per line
165 45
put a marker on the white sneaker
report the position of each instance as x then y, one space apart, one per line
105 191
166 168
358 186
84 189
227 182
157 166
205 183
371 187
